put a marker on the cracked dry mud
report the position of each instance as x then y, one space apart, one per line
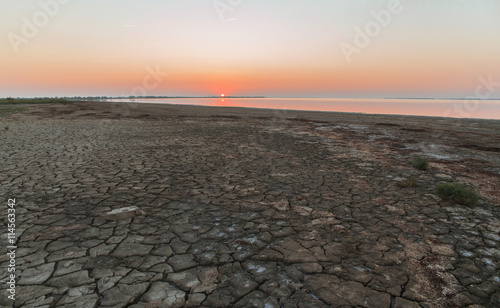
247 208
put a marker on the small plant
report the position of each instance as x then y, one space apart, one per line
409 182
6 128
420 163
458 193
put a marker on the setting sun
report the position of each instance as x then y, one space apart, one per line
222 95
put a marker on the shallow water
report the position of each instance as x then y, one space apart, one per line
481 109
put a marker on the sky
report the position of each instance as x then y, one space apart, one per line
279 48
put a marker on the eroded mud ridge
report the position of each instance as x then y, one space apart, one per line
248 208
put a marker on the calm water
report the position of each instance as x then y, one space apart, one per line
489 109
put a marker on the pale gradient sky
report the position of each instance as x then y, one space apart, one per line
280 48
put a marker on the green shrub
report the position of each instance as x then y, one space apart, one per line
458 193
420 163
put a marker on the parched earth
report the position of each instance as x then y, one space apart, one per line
247 208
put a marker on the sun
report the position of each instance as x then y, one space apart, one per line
222 95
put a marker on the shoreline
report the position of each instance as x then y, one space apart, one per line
312 110
319 111
259 108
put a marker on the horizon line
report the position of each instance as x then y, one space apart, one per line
241 96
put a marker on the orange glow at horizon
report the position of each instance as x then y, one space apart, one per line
267 82
172 48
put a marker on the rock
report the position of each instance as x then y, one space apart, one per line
442 176
124 212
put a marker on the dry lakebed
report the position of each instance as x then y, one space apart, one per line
143 205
